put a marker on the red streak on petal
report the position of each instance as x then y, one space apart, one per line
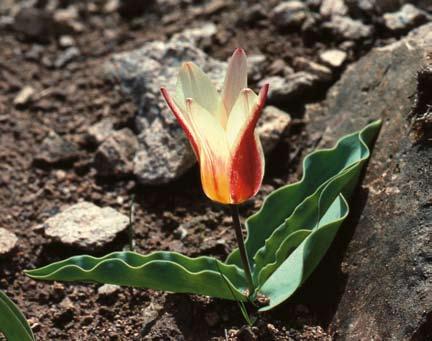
179 116
247 167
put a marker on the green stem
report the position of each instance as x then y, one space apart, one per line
244 257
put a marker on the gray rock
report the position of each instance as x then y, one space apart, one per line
164 153
386 280
406 18
345 28
35 24
289 14
374 6
115 155
330 8
66 57
323 73
100 131
256 64
334 58
86 226
284 90
271 126
280 68
55 149
24 96
195 34
8 241
108 290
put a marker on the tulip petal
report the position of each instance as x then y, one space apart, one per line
193 83
247 165
183 118
240 114
214 155
235 79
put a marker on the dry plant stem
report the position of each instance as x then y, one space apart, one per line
242 249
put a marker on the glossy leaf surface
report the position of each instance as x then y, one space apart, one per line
12 322
167 271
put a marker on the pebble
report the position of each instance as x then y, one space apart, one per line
66 57
330 8
100 131
322 72
108 289
271 126
86 226
406 18
35 24
24 96
66 41
346 28
55 149
115 155
289 14
284 90
334 58
8 241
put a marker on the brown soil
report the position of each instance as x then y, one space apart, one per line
71 98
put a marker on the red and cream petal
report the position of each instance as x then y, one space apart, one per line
184 120
235 79
247 164
192 82
214 155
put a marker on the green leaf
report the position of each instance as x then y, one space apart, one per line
168 271
12 322
300 264
278 272
319 167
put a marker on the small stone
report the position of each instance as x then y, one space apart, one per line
8 241
284 90
66 57
66 20
66 304
271 126
55 149
108 289
256 65
280 68
196 34
24 96
406 18
111 6
346 28
180 232
330 8
66 41
100 131
289 14
253 13
115 155
35 24
150 314
86 226
334 58
323 73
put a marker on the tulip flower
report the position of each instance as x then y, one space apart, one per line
221 129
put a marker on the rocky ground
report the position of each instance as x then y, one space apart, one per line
83 129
